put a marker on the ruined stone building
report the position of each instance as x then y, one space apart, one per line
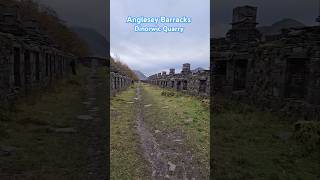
197 83
29 60
118 81
279 72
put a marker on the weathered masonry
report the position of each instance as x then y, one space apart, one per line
28 58
280 72
197 83
118 81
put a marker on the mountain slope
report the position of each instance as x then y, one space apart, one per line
197 70
97 43
140 75
276 27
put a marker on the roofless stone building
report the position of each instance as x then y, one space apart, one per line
193 83
29 59
280 72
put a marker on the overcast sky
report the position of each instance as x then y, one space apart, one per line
269 11
154 52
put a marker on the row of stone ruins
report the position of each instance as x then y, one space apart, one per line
280 72
28 57
197 83
119 82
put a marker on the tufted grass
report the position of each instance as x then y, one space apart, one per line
38 153
173 111
247 144
126 158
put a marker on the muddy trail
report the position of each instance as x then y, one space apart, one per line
95 122
166 151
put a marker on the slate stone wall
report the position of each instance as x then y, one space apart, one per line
119 82
279 72
29 60
197 84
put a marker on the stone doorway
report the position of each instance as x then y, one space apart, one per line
221 68
220 71
179 86
185 85
296 74
27 67
203 86
240 75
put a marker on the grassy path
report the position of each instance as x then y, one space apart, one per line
178 126
126 161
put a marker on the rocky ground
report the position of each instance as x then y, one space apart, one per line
165 135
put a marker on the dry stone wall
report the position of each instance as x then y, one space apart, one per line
279 72
28 58
197 84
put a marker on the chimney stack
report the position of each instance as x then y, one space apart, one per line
172 71
186 68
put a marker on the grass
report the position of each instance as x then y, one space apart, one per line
173 111
40 154
126 160
246 146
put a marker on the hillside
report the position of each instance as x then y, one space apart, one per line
197 70
97 43
140 75
276 27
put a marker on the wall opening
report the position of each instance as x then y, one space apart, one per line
27 67
16 67
220 71
296 73
37 61
179 86
203 86
221 68
61 66
50 65
115 83
118 82
47 64
54 64
185 85
240 75
172 84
